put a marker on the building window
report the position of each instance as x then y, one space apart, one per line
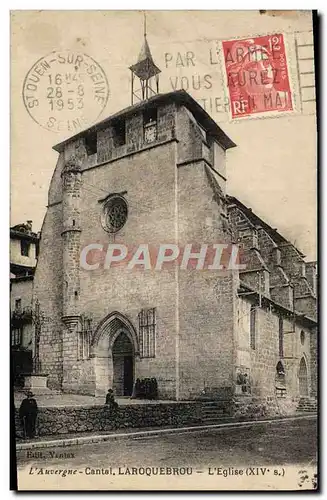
83 345
278 257
24 248
253 318
303 271
147 333
115 213
91 143
302 337
18 305
119 129
16 337
281 338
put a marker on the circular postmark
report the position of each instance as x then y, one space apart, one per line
65 91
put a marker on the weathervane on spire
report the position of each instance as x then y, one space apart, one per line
146 71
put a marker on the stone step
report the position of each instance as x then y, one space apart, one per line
210 410
214 406
307 405
214 420
213 414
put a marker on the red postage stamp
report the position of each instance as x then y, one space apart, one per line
257 75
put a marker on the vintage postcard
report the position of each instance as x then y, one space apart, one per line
163 250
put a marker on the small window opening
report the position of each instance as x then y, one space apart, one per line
16 337
150 116
253 319
91 143
119 128
24 248
278 257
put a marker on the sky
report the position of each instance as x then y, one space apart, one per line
272 169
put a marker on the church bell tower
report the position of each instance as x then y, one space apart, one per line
145 74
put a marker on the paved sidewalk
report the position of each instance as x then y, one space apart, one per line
85 438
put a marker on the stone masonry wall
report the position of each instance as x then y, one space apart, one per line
94 419
48 290
261 361
151 220
66 420
206 297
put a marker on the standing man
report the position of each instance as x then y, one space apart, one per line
28 413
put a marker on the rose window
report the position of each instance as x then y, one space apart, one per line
115 214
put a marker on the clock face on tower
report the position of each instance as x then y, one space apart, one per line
150 132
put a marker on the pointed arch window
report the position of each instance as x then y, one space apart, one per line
147 333
84 338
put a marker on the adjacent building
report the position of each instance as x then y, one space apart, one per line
23 258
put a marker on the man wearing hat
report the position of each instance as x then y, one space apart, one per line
28 413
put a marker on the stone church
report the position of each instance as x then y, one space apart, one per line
155 173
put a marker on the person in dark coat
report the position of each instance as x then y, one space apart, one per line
154 388
110 400
28 414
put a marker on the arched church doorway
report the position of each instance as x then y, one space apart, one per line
303 378
123 365
115 351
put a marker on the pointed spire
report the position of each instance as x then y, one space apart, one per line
145 52
145 68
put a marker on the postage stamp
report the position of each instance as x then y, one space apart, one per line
65 91
257 75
